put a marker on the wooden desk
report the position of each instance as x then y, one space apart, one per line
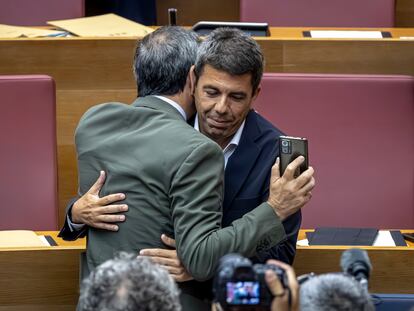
393 267
89 71
44 278
47 278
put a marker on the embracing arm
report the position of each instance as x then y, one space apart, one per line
284 251
92 211
287 194
196 194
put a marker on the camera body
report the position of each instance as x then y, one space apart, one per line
239 283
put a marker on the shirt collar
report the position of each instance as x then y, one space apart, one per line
174 104
235 141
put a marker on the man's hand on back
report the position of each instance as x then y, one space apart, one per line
168 258
287 193
98 212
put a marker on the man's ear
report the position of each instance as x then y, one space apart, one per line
192 79
256 93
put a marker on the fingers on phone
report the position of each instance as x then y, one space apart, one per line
293 166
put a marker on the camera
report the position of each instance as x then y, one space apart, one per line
238 283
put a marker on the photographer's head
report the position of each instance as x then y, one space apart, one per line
128 283
334 291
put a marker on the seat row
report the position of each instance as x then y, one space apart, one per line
361 142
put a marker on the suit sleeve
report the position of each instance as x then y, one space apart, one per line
66 233
196 194
286 250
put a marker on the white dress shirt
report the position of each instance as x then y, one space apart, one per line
232 145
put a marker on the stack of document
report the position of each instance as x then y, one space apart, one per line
9 32
107 25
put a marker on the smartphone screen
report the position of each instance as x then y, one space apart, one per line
289 149
243 293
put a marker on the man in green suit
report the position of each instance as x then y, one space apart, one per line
171 174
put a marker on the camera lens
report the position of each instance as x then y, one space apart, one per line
285 143
285 150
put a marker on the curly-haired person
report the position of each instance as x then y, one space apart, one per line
128 283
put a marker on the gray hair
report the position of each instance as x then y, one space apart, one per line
163 59
128 283
334 292
232 51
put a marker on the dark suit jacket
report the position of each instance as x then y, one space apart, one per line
247 177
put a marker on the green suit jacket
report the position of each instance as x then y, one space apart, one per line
173 180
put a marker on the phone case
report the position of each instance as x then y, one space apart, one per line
289 149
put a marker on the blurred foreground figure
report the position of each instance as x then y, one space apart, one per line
334 291
128 283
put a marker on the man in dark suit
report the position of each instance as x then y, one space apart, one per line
171 174
226 86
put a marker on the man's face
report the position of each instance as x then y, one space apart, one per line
222 103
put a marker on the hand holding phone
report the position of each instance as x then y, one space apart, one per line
289 149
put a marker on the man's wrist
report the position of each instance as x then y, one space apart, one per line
72 216
274 206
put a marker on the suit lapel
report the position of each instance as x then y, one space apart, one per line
242 160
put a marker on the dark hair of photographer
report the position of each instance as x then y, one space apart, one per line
334 291
127 283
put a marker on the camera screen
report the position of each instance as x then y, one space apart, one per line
243 293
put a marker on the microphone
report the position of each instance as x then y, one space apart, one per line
172 17
356 262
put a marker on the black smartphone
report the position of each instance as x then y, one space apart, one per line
289 149
409 236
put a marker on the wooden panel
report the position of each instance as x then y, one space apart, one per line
404 13
325 56
75 64
40 278
190 12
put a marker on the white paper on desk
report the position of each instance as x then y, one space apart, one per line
303 242
345 34
384 238
19 238
107 25
9 32
43 240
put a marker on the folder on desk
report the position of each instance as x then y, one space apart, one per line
107 25
9 31
355 237
342 236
